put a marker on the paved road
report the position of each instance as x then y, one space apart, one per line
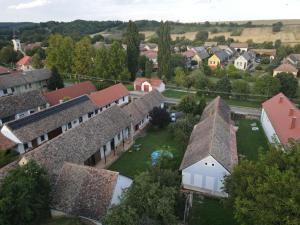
235 109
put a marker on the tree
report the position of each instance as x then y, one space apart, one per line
55 81
25 196
224 85
289 84
187 104
241 88
179 76
182 129
59 53
266 191
133 48
117 68
159 117
97 38
164 50
201 36
276 27
148 68
142 63
267 85
83 57
207 70
101 68
177 60
200 106
36 61
7 55
277 43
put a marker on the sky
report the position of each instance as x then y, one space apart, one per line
174 10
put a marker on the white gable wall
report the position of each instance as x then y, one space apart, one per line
205 176
146 83
241 63
268 127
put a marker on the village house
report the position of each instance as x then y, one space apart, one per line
219 58
285 68
152 56
22 82
60 95
145 84
240 47
229 50
114 95
212 152
77 188
4 70
140 108
24 64
280 119
209 44
148 47
20 105
294 59
261 52
245 61
195 54
37 128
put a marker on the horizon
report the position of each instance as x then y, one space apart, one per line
189 11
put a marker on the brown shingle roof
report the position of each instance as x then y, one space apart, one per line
213 135
84 191
14 104
42 122
141 107
73 91
81 142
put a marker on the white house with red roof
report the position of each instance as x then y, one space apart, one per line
152 56
145 84
114 95
24 64
280 120
285 68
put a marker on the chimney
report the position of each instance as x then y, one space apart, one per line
280 99
293 123
291 112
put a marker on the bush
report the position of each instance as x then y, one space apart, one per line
258 67
159 117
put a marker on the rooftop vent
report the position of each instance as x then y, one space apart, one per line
280 99
293 123
291 112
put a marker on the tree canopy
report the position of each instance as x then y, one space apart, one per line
55 81
159 117
25 196
289 84
266 192
267 85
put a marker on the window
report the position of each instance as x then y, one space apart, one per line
213 164
96 111
29 85
90 115
123 98
69 125
104 148
31 111
80 119
119 136
5 91
42 138
117 102
26 146
12 89
100 109
206 164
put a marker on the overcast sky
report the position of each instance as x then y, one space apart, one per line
175 10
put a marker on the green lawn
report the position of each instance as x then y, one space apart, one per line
209 211
129 87
133 162
63 221
248 141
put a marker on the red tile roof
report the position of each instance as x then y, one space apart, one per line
189 54
73 91
155 82
287 68
150 54
24 61
4 70
5 143
281 111
109 95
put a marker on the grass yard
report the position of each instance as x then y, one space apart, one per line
63 221
209 211
248 141
133 162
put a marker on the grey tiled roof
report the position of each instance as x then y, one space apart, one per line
203 54
141 107
213 136
42 122
22 78
84 191
11 105
222 55
78 144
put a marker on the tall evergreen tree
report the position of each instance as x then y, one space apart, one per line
133 48
164 50
83 57
55 81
